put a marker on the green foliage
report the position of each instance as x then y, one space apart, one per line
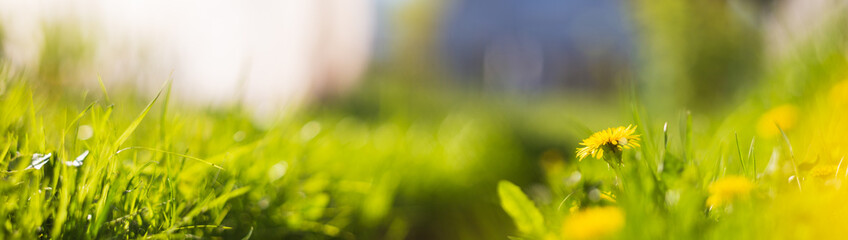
162 171
523 211
392 161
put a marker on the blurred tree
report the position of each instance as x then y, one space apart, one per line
697 54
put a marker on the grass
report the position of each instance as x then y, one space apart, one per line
371 168
701 182
407 161
160 170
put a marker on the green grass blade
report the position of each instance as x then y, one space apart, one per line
131 128
179 155
648 147
687 136
739 150
103 88
79 116
752 157
249 233
166 101
791 156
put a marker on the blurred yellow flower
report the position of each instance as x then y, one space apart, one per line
784 115
593 223
613 139
574 208
552 162
728 189
839 93
823 171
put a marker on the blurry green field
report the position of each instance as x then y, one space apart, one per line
357 170
401 159
365 168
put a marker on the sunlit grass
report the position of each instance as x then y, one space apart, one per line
160 170
413 161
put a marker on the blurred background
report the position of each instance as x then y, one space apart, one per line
469 91
273 54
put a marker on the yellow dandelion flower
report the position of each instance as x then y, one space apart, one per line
611 139
728 189
785 116
823 171
594 223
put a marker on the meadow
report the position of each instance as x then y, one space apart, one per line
761 159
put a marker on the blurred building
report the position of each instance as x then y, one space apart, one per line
532 45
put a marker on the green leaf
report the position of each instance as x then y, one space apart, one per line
103 88
131 128
527 217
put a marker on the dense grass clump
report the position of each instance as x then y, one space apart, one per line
117 167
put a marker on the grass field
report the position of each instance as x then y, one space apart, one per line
407 160
117 165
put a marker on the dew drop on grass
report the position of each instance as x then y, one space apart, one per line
85 132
